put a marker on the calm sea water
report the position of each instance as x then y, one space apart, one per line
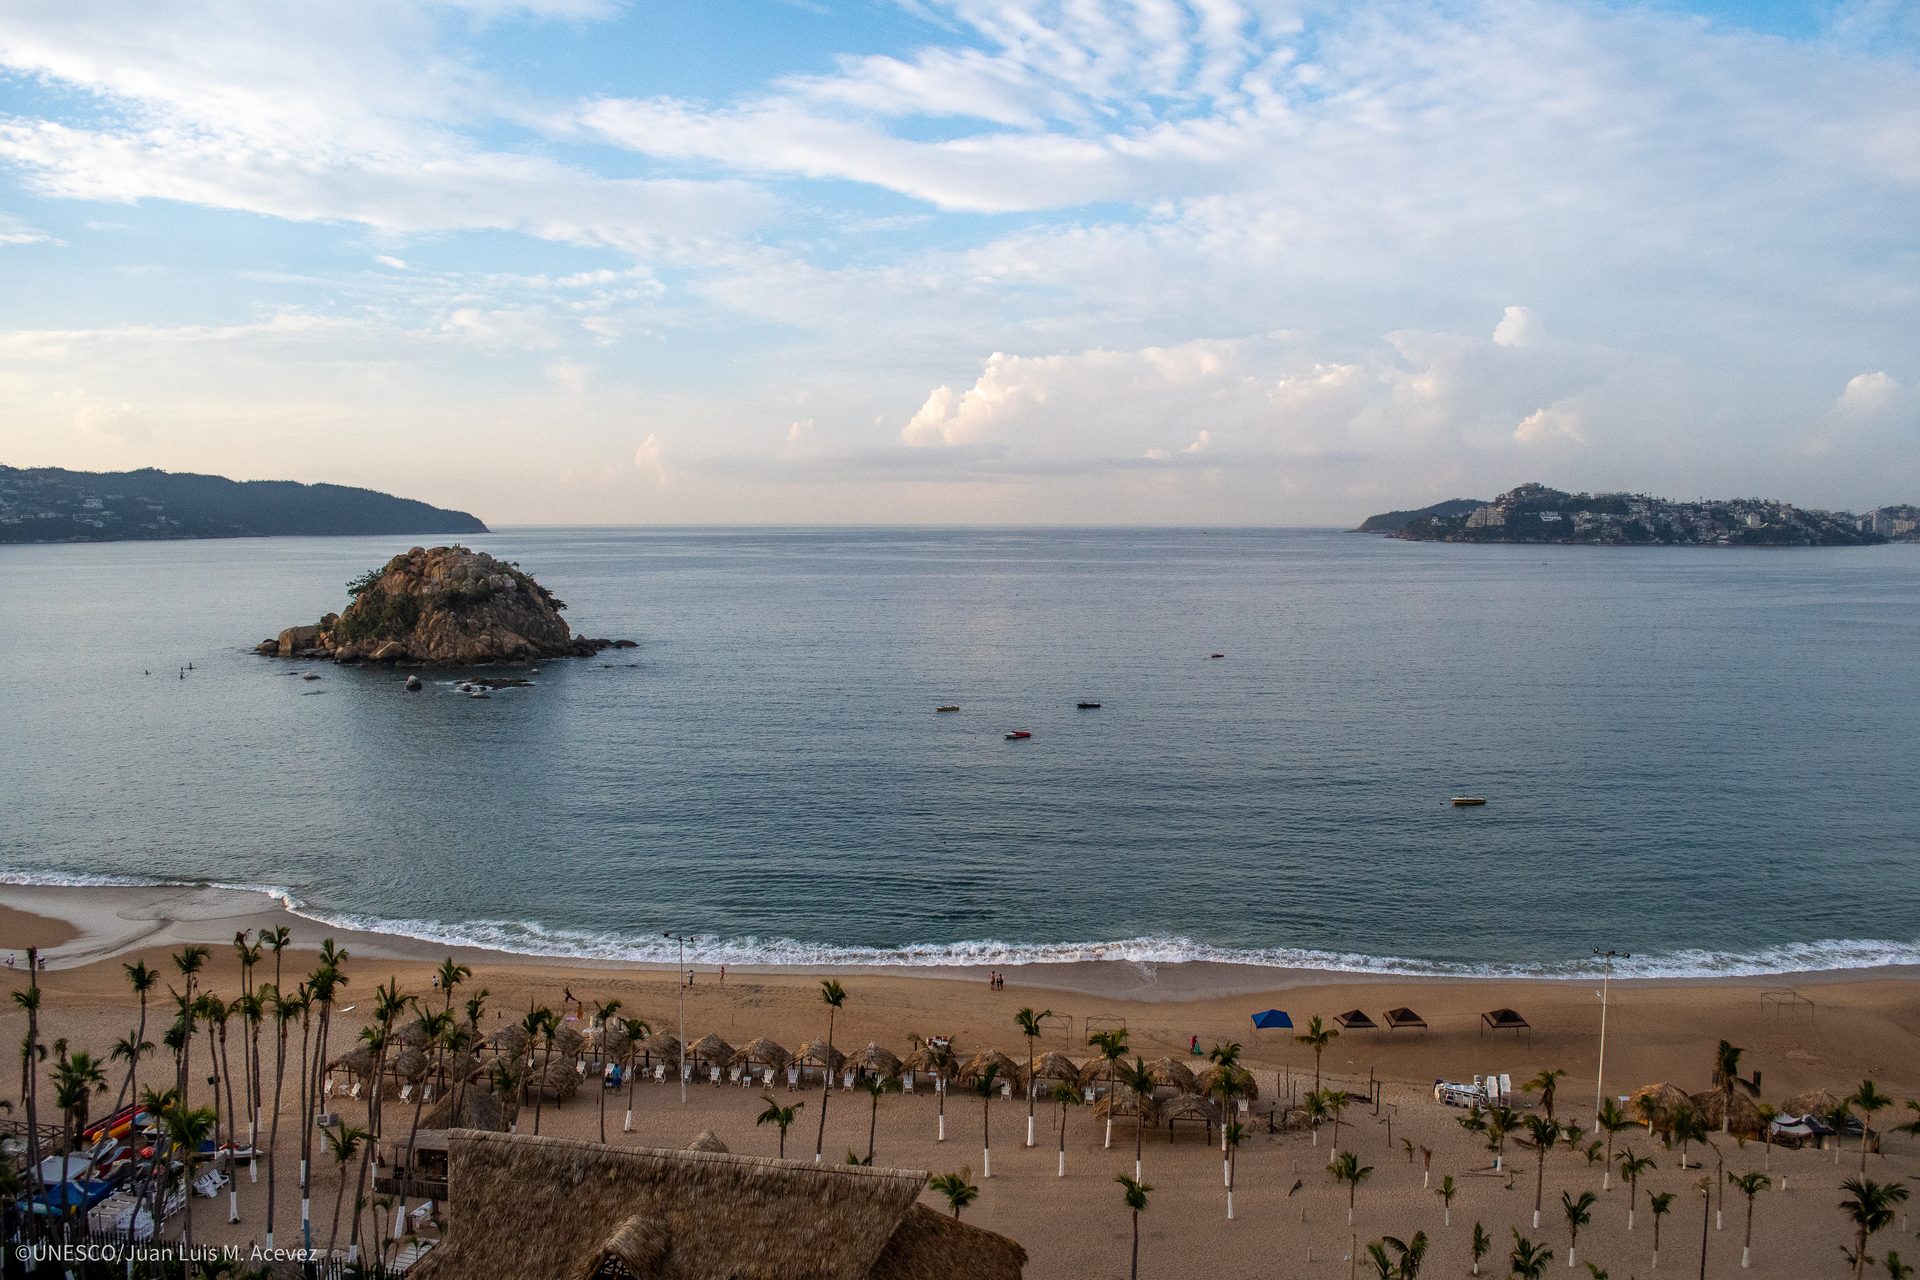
1706 757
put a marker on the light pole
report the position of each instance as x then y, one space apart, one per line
681 975
1600 1071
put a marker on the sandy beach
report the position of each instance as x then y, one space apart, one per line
1840 1028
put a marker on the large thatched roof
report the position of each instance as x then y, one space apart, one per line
509 1041
925 1057
761 1053
567 1041
877 1059
409 1064
976 1067
1208 1081
1189 1106
706 1140
710 1050
819 1054
608 1041
473 1108
1814 1102
357 1061
1125 1102
1055 1066
1743 1118
1095 1071
559 1209
1176 1074
1653 1103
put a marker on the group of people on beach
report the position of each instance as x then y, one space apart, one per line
996 979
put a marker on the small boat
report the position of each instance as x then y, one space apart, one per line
1017 735
1468 802
1216 655
946 708
479 693
309 676
1087 706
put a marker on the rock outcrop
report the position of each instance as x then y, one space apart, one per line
447 606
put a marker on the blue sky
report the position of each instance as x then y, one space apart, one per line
1180 261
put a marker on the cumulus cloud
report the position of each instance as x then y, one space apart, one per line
1868 393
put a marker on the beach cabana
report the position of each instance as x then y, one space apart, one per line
410 1065
707 1140
509 1041
1123 1102
820 1056
709 1052
941 1064
1189 1108
974 1068
1743 1118
567 1042
662 1050
1355 1020
1503 1020
558 1080
876 1061
1404 1017
607 1042
543 1208
763 1054
1272 1020
471 1108
1814 1102
1654 1104
1055 1066
1173 1074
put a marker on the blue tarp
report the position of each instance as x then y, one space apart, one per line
1272 1018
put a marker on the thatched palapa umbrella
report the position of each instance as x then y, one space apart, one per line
471 1109
923 1060
1122 1102
976 1067
410 1064
1055 1066
710 1051
1814 1102
509 1041
819 1053
1190 1107
761 1053
1743 1119
567 1041
707 1140
356 1062
877 1061
1173 1074
1208 1081
1655 1103
664 1048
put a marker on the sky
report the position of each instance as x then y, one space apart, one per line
1191 262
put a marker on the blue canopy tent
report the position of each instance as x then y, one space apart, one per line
1272 1018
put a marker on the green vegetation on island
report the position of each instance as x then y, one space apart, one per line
1533 513
47 504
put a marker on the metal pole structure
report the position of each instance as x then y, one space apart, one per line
681 1066
1600 1070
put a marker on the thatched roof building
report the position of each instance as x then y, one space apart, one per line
1743 1117
710 1051
1652 1104
356 1062
707 1140
761 1053
509 1041
929 1061
1174 1074
1208 1081
1123 1102
820 1054
877 1060
1814 1102
540 1208
1190 1107
607 1042
1094 1071
1055 1066
976 1067
471 1108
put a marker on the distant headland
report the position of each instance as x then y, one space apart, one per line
47 504
1534 513
441 606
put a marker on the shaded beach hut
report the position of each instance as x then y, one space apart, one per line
876 1061
762 1054
1655 1104
925 1059
607 1042
1355 1020
558 1080
1208 1081
819 1056
412 1035
509 1041
410 1065
1173 1074
1122 1102
1818 1103
1097 1071
1404 1017
355 1063
1272 1020
976 1067
709 1052
471 1108
1503 1020
1055 1066
1189 1108
707 1140
1742 1118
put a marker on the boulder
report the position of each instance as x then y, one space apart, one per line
295 640
388 651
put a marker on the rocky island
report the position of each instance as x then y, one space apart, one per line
443 606
1533 513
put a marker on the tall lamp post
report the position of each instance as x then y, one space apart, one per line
681 974
1600 1071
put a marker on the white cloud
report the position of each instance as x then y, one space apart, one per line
387 260
1555 423
15 231
650 461
1868 393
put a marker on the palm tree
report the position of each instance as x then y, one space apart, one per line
1611 1119
1661 1204
1235 1133
1334 1102
253 1011
1135 1193
545 1022
1749 1185
1446 1193
1546 1083
784 1117
1685 1125
603 1014
249 955
130 1048
31 1054
142 980
1595 1271
1896 1269
1138 1078
957 1188
1404 1267
877 1086
434 1028
835 998
1726 1079
1346 1167
1315 1105
1631 1167
985 1087
186 1129
343 1144
1317 1037
1067 1094
1482 1244
1579 1213
1912 1127
1543 1133
214 1011
451 974
1113 1047
276 940
1870 1205
285 1010
1529 1260
189 961
1030 1028
637 1030
1500 1122
1868 1099
75 1080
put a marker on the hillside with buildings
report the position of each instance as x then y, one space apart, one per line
47 504
1533 513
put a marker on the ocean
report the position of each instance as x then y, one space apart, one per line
1705 757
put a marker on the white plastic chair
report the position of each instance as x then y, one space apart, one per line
793 1078
660 1074
906 1083
713 1074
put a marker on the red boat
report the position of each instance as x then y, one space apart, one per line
1017 734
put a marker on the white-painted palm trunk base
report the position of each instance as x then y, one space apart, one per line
306 1213
1109 1141
1063 1164
1744 1264
943 1130
986 1162
400 1220
1718 1223
1536 1219
1029 1130
1229 1205
626 1126
1570 1254
303 1175
233 1203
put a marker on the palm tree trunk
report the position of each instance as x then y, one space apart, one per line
1136 1244
1063 1141
603 1088
1139 1132
986 1136
339 1194
273 1125
826 1090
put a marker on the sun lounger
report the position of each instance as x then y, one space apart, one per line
686 1071
356 1090
660 1074
210 1182
1006 1088
733 1075
793 1078
713 1074
1506 1085
1087 1094
906 1083
328 1091
426 1093
406 1093
846 1078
